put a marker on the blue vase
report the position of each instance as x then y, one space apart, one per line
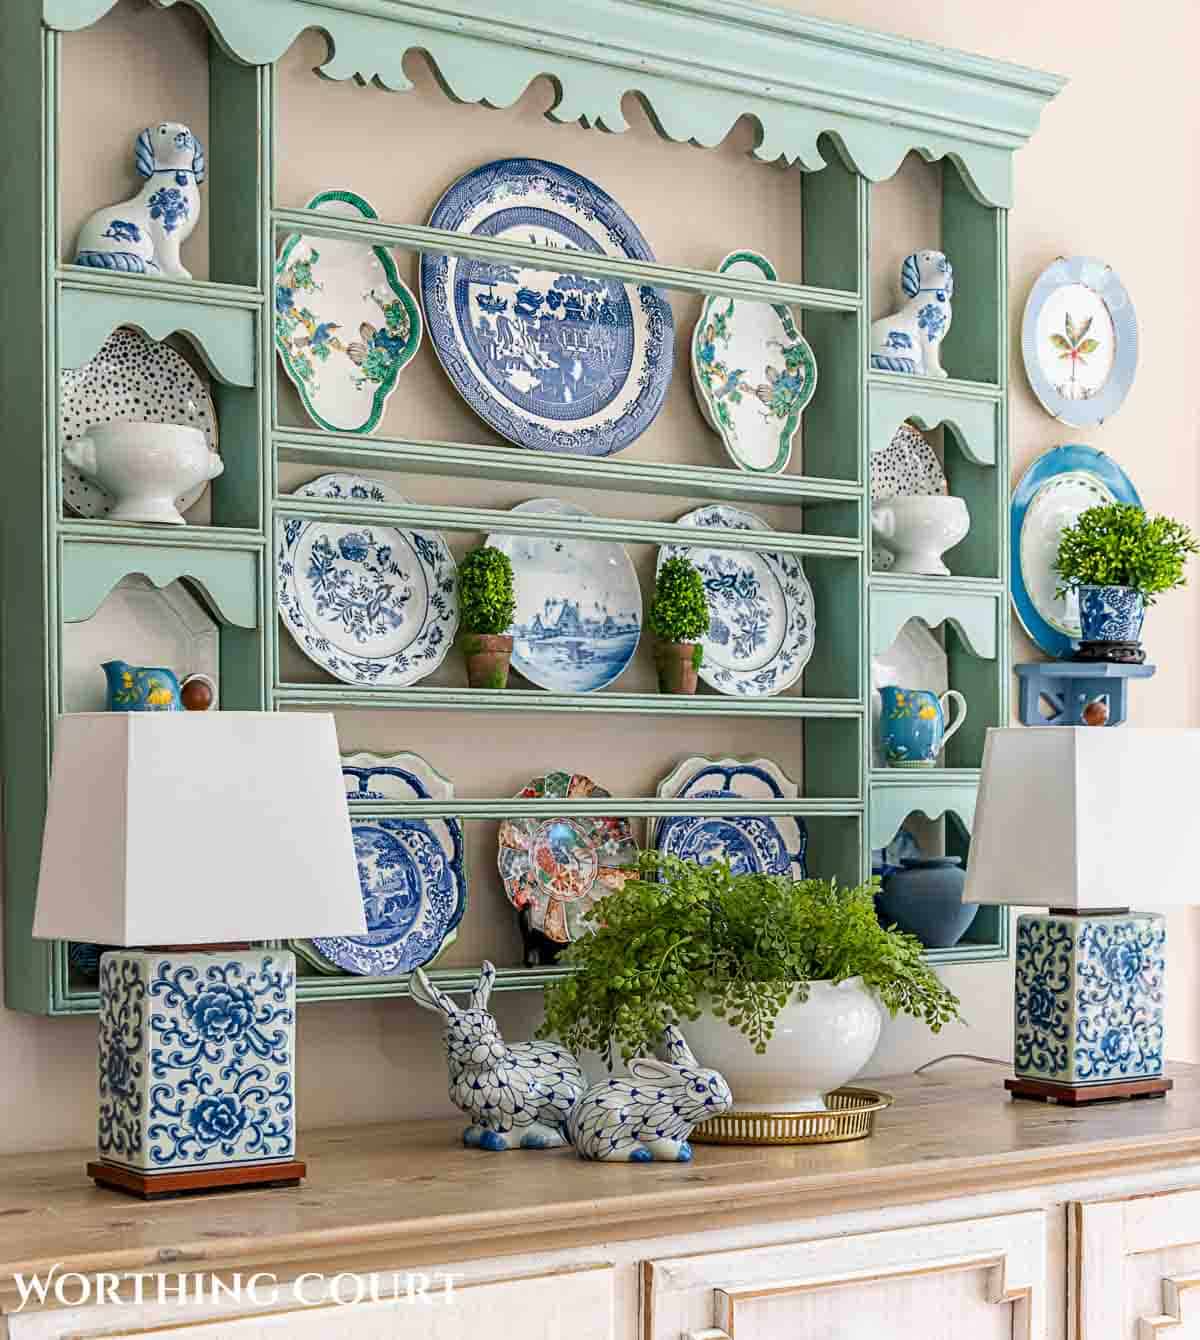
1111 613
925 899
912 725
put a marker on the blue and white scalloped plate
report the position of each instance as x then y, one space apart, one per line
752 844
551 360
412 872
1052 494
372 604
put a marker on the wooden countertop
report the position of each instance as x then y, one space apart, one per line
409 1194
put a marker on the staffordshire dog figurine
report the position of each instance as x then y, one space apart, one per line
910 340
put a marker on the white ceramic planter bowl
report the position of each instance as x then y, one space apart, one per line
919 530
144 466
818 1045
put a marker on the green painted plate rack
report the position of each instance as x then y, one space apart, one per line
847 104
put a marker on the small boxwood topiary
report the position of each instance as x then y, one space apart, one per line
485 591
1117 544
679 610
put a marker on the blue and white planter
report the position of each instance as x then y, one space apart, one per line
1111 613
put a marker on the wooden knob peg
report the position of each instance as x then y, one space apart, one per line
196 695
1096 713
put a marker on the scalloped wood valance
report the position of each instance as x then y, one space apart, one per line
697 64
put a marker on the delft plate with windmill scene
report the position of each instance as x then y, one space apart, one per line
752 844
752 370
130 377
1079 341
557 869
412 872
550 359
346 324
370 604
579 605
760 606
907 467
1051 495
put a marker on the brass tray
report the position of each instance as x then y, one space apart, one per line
850 1116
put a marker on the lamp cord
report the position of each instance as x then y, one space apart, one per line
960 1056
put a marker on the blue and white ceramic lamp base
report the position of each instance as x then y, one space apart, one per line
1090 989
196 1059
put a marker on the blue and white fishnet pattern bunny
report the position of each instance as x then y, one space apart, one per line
517 1097
650 1117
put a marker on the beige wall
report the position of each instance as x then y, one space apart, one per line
1108 173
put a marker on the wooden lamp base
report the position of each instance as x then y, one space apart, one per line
157 1186
1075 1095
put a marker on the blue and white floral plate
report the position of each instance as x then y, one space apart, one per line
1079 340
412 872
1052 494
760 608
551 360
346 324
752 844
370 604
579 605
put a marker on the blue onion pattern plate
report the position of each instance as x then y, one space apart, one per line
579 605
551 360
370 604
760 608
1052 494
752 844
412 872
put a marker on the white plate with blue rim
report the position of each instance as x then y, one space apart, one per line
752 844
372 604
760 605
1051 495
1079 341
551 360
412 872
579 605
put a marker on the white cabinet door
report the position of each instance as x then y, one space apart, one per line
1136 1268
978 1278
570 1304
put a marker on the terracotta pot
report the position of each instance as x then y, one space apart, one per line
677 664
487 656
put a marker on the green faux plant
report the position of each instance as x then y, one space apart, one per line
680 938
1118 544
485 591
679 610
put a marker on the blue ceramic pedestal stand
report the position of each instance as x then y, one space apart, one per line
1070 686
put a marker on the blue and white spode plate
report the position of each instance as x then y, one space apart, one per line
760 608
752 844
1052 494
1079 340
579 605
370 604
412 872
346 324
549 359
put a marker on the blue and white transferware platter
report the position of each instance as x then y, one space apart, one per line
579 605
760 608
370 604
752 370
551 360
752 844
1052 494
1079 340
346 324
412 872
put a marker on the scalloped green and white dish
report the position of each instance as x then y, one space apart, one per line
346 324
752 370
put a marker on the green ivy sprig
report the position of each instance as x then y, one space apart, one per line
680 939
1117 544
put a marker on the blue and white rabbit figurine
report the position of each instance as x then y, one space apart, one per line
143 235
910 340
517 1097
649 1118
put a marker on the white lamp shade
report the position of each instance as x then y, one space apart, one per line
1085 817
197 828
